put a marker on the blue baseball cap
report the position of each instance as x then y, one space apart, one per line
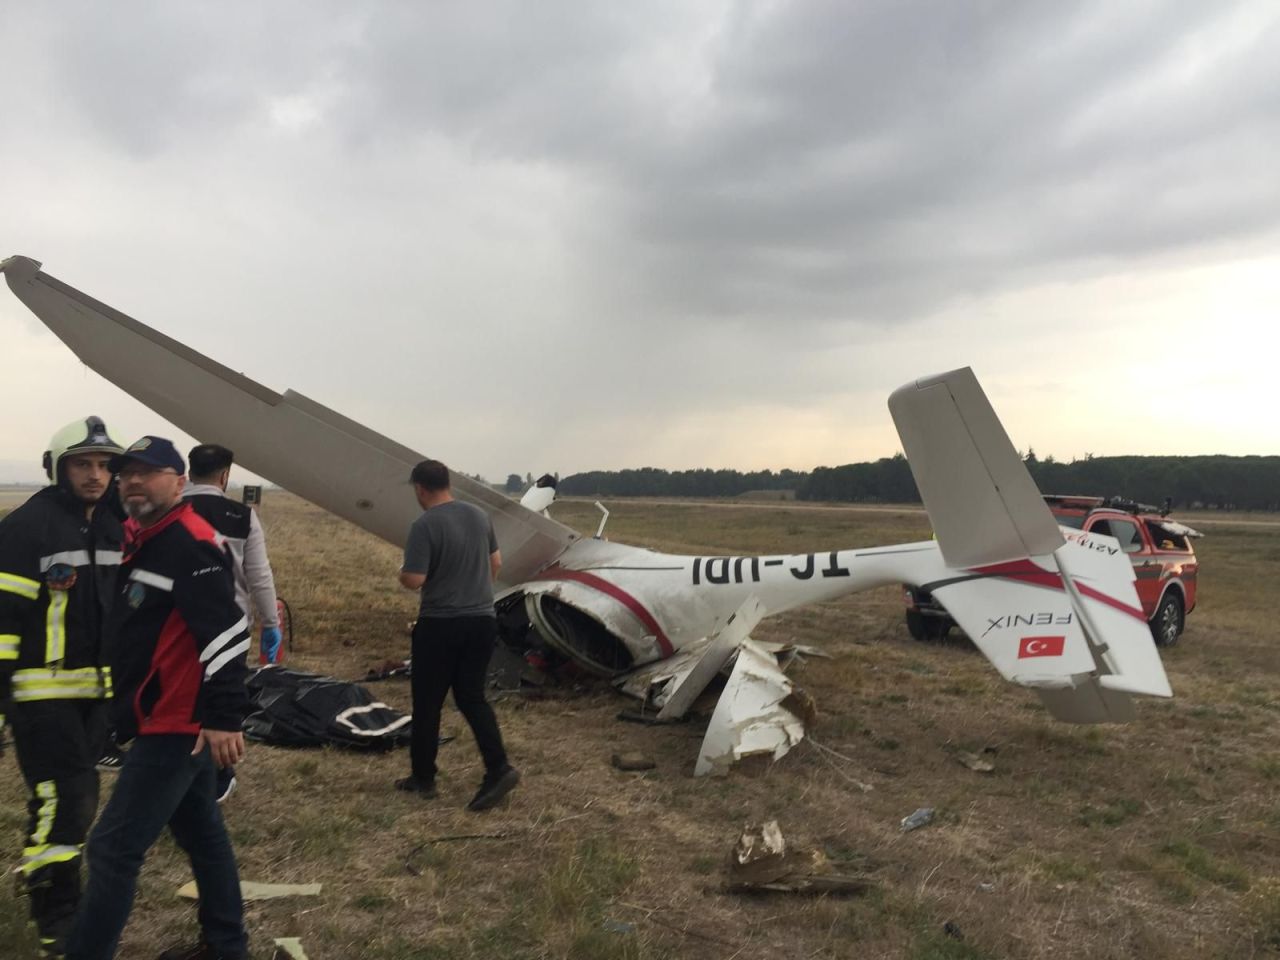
153 451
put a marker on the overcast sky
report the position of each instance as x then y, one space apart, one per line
565 236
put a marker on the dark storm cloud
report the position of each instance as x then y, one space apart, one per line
875 162
828 160
643 202
868 161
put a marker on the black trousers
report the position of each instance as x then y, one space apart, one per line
58 743
452 653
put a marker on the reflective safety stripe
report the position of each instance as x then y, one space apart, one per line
46 791
34 858
55 627
9 646
107 558
152 579
22 586
83 683
72 558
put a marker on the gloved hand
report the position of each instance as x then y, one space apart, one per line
269 645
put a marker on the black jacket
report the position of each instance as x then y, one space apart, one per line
177 637
51 640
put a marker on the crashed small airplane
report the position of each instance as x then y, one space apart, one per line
662 626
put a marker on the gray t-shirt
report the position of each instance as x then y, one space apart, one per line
451 544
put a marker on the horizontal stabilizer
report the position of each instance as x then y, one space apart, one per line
281 437
1069 626
1101 581
982 503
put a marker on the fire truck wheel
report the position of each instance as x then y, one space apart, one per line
1166 625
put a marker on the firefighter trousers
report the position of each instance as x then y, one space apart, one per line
58 744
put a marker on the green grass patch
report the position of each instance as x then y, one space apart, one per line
1268 767
1111 814
1262 907
1198 862
704 864
372 901
1066 870
566 909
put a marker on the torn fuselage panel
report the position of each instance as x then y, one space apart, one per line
760 713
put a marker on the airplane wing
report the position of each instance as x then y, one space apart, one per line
291 440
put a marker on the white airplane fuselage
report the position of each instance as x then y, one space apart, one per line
655 604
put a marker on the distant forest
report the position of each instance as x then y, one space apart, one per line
1226 483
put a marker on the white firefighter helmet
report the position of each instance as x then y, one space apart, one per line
81 436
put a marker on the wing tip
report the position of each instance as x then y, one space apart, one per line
19 267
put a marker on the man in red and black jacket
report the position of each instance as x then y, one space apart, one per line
177 642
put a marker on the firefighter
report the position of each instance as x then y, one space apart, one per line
59 555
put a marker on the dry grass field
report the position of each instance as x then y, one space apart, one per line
1156 839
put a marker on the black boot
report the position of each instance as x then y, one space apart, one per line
54 891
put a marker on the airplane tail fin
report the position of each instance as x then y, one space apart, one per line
1057 614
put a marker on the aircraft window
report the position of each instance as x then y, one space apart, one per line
1123 530
1074 522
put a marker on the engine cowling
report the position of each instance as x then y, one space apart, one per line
578 624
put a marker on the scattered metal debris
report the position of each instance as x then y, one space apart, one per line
712 659
619 926
761 863
975 762
288 948
760 713
633 760
251 891
673 684
920 818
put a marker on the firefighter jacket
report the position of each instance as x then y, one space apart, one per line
51 639
177 637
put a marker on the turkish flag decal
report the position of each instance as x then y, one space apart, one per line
1041 647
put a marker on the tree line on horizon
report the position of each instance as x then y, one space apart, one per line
1201 482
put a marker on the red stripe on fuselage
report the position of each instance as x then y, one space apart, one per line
624 598
1025 571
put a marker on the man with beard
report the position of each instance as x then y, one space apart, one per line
178 643
59 555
